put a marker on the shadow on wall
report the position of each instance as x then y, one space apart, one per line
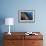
2 21
1 39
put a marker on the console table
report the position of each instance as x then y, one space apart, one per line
20 39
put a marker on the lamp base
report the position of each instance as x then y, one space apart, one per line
9 33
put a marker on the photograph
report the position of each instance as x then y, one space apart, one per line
26 15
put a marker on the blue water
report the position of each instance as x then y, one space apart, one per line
30 13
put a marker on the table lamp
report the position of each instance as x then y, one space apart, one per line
9 21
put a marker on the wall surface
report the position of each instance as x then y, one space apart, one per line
9 8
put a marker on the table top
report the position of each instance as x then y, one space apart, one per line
22 35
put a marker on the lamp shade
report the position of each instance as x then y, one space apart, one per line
9 21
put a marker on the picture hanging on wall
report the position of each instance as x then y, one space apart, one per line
26 16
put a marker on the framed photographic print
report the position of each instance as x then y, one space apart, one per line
26 16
